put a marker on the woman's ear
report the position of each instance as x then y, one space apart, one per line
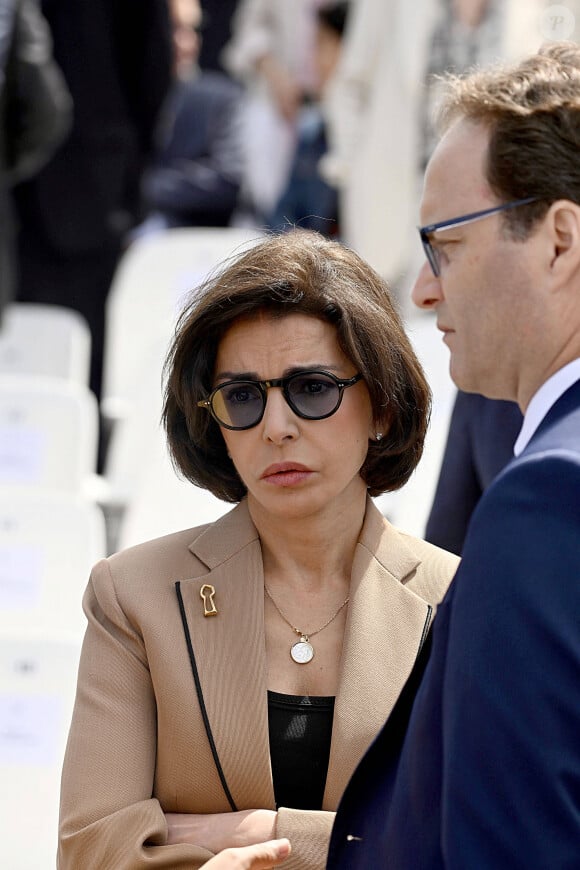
378 430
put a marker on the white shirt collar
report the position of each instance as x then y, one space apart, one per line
542 401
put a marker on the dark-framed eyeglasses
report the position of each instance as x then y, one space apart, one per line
313 395
425 232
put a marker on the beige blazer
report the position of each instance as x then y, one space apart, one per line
138 745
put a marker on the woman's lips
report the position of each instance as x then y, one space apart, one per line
286 473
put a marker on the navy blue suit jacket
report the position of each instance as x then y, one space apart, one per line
488 772
480 443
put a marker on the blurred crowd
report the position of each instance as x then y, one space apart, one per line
134 116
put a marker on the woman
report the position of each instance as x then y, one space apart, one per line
233 675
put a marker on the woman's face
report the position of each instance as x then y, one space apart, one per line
294 467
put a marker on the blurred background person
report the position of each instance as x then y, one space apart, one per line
480 442
195 176
116 58
381 133
308 200
272 53
35 115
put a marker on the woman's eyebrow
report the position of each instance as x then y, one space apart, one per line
236 376
291 370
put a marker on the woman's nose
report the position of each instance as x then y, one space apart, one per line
279 421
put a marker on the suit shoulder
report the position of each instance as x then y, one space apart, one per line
551 474
159 555
217 85
531 513
140 581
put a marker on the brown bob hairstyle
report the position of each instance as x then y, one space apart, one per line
296 272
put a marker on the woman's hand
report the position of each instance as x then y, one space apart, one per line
218 831
258 857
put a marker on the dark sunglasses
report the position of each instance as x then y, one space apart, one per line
312 395
433 255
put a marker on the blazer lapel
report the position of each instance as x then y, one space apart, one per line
229 650
386 626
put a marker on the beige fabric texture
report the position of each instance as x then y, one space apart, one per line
138 747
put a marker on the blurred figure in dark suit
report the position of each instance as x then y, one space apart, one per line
196 173
480 442
116 58
35 114
308 200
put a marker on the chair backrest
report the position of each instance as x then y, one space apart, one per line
45 340
48 432
150 286
150 498
37 689
48 543
163 503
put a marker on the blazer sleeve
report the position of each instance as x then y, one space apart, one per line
309 833
108 815
511 706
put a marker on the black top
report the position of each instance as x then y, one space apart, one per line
300 731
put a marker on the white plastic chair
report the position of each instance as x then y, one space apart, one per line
142 485
45 339
48 543
37 689
163 503
150 286
48 432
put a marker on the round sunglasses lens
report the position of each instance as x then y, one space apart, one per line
313 395
238 405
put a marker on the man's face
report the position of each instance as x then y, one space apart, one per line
186 16
483 296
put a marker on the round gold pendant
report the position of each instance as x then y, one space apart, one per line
302 652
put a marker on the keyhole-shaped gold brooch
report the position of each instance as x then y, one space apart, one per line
207 593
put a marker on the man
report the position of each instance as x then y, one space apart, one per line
116 58
308 200
195 175
483 769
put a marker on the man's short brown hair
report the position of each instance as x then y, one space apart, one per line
297 272
532 111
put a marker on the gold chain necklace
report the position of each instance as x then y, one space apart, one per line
302 651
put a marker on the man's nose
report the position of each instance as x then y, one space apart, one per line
426 291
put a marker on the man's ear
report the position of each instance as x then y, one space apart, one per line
564 226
